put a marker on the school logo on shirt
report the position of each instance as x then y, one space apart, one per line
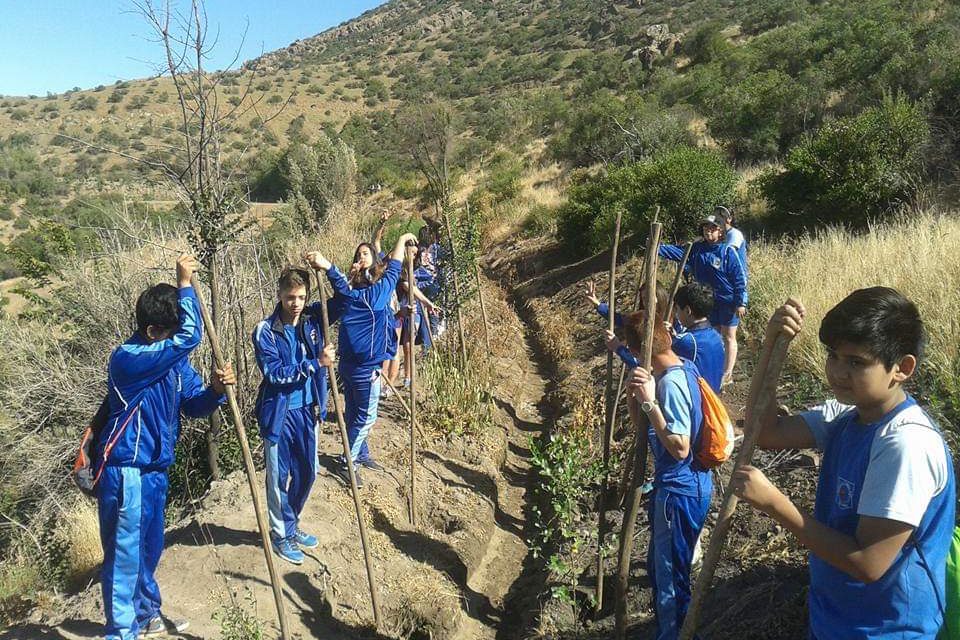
716 262
313 335
845 490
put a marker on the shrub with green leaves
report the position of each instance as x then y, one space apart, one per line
686 182
854 169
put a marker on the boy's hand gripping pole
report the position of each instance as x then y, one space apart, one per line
763 397
331 370
247 461
639 445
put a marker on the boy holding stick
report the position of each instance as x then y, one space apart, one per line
885 504
292 354
151 382
670 398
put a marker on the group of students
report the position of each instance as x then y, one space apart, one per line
884 515
884 512
151 383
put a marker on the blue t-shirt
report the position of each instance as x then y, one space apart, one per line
897 468
302 394
679 396
702 345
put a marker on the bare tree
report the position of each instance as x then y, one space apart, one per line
205 184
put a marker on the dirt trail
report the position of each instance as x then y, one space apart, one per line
465 572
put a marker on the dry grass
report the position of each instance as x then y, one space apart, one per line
78 534
553 330
916 257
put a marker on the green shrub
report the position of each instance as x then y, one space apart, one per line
854 169
686 182
706 43
86 103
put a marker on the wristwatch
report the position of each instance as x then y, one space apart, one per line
647 407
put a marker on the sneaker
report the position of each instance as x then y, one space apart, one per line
160 625
288 550
371 464
306 540
344 476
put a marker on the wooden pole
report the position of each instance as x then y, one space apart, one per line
765 380
640 444
609 418
341 423
676 281
456 288
483 307
255 487
411 346
403 403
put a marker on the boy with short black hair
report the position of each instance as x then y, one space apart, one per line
699 342
292 354
150 382
885 504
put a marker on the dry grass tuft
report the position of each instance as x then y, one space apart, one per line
917 257
78 534
553 330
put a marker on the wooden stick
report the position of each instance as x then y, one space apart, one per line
338 408
483 309
411 347
766 379
247 461
676 282
456 287
640 444
403 403
608 422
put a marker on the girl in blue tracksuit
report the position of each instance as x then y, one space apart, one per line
670 398
291 353
366 321
717 265
151 382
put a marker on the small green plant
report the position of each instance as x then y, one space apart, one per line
568 470
237 622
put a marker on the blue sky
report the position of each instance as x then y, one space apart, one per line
54 45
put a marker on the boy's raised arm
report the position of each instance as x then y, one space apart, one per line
139 364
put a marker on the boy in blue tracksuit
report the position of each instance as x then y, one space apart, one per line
366 322
670 399
698 341
151 382
291 353
884 513
717 265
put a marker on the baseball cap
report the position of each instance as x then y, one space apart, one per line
712 219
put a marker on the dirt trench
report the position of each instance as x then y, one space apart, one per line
464 572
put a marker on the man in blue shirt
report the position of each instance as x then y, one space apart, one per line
698 341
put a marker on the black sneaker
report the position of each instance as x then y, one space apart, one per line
344 476
371 464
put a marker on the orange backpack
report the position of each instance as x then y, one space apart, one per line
716 433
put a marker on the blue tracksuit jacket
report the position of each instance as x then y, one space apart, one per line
150 384
366 320
716 265
702 345
282 373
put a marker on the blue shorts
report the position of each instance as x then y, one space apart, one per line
724 314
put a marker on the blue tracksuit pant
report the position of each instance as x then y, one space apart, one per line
676 522
130 505
291 467
361 389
